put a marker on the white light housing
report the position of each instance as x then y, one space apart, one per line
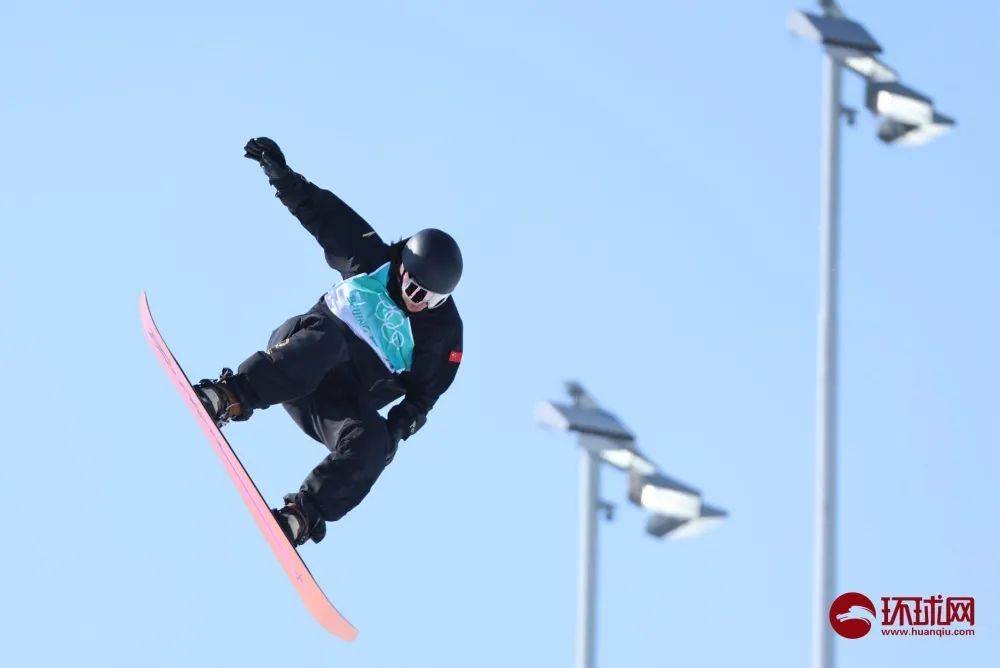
903 134
627 459
664 496
600 432
899 103
671 527
864 64
620 454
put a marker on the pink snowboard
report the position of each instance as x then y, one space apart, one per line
317 603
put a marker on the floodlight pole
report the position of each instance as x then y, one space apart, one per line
825 539
590 472
845 43
602 438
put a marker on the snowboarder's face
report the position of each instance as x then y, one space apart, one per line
416 297
411 306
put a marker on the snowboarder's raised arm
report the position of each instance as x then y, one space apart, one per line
350 244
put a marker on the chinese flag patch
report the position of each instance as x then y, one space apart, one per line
455 356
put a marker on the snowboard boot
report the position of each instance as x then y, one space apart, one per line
297 523
222 400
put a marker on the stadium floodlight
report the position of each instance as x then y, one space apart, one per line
865 64
583 420
664 496
662 526
603 438
600 432
904 134
845 40
908 117
897 102
622 455
833 32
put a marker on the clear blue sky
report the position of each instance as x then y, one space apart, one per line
635 187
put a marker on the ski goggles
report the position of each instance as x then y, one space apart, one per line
419 295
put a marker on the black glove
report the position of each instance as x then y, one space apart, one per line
266 152
394 438
402 422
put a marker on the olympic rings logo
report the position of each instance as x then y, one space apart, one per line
391 319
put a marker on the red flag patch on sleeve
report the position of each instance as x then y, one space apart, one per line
455 356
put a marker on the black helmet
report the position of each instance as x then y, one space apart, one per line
432 258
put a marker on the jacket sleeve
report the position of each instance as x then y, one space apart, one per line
434 369
350 244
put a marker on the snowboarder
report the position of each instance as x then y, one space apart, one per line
388 330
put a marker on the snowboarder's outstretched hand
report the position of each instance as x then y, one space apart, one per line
266 152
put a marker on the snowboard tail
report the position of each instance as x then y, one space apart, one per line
315 600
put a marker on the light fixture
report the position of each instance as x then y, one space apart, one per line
903 134
599 432
662 526
906 117
864 64
664 496
833 32
899 103
676 508
620 454
582 419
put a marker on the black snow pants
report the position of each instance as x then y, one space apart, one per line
308 370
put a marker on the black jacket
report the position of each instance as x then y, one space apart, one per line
352 247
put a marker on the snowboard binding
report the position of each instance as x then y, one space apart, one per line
221 400
295 523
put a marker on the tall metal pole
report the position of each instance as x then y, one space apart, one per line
587 593
826 378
